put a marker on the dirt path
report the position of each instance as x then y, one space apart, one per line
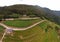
23 18
3 36
8 27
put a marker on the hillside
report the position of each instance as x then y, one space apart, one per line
28 23
42 32
16 11
57 13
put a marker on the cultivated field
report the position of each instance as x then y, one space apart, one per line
21 23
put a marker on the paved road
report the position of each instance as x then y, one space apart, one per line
8 27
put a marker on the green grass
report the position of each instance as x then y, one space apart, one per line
1 31
26 33
43 25
20 23
40 35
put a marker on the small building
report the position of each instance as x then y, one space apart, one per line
9 31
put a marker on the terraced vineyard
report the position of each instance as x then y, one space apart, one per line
40 33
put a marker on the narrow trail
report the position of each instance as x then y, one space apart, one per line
3 36
8 27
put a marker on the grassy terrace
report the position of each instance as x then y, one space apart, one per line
43 25
21 23
35 34
1 31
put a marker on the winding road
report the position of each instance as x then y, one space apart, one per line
8 27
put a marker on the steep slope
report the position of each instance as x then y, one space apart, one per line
50 15
57 13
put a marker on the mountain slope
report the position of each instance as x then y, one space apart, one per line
19 10
57 13
47 31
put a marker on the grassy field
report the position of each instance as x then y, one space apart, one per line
1 31
35 34
20 23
